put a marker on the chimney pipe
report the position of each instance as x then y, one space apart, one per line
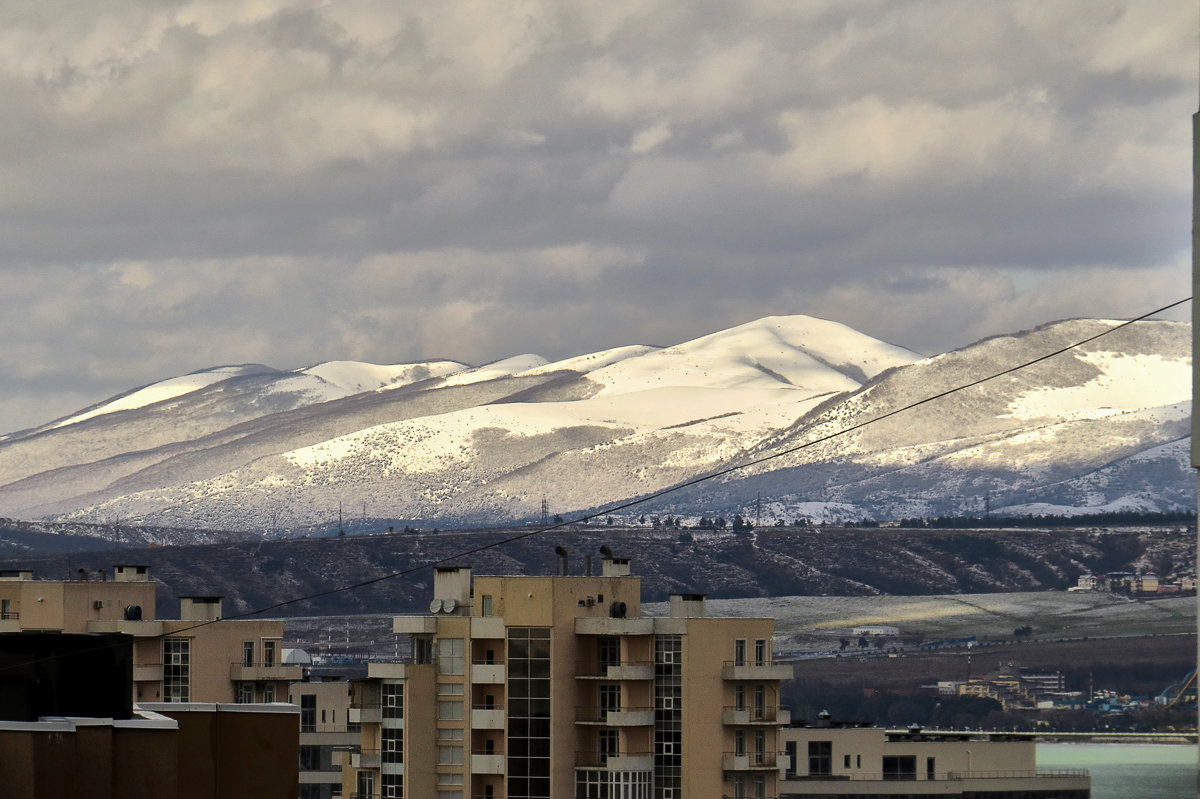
562 560
587 565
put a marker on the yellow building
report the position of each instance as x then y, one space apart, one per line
174 660
523 687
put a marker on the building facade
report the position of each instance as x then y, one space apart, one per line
174 660
537 687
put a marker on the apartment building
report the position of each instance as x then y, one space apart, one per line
325 731
522 687
174 660
856 760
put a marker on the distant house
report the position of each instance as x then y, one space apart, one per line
883 630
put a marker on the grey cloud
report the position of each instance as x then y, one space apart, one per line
198 183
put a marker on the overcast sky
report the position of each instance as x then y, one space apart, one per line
187 184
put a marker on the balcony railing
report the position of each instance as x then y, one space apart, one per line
615 716
623 670
752 761
241 670
755 715
756 670
603 760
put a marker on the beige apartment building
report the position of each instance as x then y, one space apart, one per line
325 732
859 760
174 660
522 687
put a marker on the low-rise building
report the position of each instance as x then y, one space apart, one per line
859 760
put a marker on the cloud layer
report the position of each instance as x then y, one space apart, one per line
197 183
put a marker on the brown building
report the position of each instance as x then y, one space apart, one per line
69 729
523 687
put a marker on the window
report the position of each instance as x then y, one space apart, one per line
760 701
450 710
486 610
366 783
450 689
269 653
308 712
176 669
739 787
789 748
760 652
422 649
608 652
760 747
610 697
6 609
739 697
243 694
845 761
609 745
900 767
739 742
449 755
391 745
310 758
247 653
820 758
739 652
450 655
760 787
269 692
929 770
391 786
392 695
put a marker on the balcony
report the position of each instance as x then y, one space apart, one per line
618 761
625 670
604 625
753 761
10 622
367 758
752 715
366 714
487 627
147 672
415 625
265 671
487 674
487 718
763 670
619 717
487 763
390 671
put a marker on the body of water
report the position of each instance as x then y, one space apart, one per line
1128 771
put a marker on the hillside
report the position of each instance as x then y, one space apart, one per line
767 563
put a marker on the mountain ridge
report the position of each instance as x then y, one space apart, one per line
441 442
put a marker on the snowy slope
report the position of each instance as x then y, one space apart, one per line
446 443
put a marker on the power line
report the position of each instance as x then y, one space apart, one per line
670 489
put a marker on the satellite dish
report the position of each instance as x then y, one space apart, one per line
435 605
448 605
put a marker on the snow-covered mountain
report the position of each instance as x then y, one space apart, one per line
252 448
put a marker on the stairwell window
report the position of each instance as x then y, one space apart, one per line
177 669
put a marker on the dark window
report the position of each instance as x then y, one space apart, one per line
900 767
308 713
608 652
820 758
929 771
